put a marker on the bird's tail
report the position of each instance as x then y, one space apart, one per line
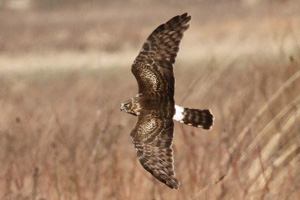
194 117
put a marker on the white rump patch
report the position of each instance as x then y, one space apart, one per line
178 113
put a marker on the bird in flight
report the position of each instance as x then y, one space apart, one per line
154 104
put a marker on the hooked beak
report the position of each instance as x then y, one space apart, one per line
122 107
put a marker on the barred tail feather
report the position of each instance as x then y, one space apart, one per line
194 117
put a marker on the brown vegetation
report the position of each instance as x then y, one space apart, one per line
62 135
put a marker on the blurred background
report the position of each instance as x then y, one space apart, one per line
65 69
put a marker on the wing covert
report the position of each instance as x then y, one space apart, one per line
153 67
152 139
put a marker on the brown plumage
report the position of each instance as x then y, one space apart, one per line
154 104
197 118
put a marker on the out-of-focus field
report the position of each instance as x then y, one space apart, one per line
65 70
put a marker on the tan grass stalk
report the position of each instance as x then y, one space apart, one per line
268 149
268 127
244 132
288 156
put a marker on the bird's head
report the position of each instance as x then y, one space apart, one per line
131 107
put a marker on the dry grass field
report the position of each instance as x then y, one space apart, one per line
65 70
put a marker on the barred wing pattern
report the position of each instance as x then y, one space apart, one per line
153 69
153 138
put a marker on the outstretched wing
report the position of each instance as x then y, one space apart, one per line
153 67
152 138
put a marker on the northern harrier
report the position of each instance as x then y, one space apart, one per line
154 104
